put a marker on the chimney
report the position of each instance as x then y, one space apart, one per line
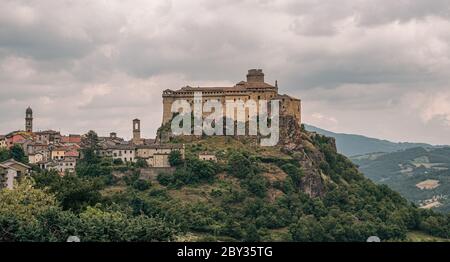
113 135
255 76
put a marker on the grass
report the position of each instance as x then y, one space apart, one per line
417 236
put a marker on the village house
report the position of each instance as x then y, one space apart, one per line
157 155
21 168
124 152
207 156
71 140
67 165
16 138
7 176
58 153
35 158
48 137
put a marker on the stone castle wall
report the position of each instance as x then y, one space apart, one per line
254 89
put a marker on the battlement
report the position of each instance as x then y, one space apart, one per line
255 75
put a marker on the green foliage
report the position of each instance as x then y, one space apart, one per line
233 208
196 171
5 154
95 168
141 163
118 162
17 153
165 179
141 185
307 229
256 185
29 214
239 165
175 158
294 173
74 193
113 226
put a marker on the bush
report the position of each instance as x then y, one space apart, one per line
175 158
165 179
256 185
239 165
141 185
118 161
294 173
141 163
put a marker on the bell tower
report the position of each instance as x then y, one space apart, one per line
137 132
29 120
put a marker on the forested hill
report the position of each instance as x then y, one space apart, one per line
352 145
300 190
421 175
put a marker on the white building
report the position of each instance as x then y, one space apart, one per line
207 156
124 152
11 170
157 155
35 158
7 176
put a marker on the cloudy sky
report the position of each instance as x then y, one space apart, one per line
378 68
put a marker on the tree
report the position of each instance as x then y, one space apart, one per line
165 179
141 163
18 154
239 165
19 210
118 161
293 172
113 226
90 148
141 184
175 158
74 192
5 154
307 229
251 233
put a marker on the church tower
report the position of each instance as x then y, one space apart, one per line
137 132
29 120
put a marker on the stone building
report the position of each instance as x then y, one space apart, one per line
255 88
157 155
7 176
48 137
126 153
207 156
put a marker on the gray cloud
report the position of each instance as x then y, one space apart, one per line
372 67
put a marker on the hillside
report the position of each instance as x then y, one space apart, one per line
299 190
352 145
421 175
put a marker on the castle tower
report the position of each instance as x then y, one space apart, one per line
137 132
29 120
255 76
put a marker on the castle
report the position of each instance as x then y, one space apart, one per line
253 89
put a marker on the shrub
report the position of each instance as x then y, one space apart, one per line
239 165
165 179
175 158
141 185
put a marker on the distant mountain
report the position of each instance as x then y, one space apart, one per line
352 145
420 175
